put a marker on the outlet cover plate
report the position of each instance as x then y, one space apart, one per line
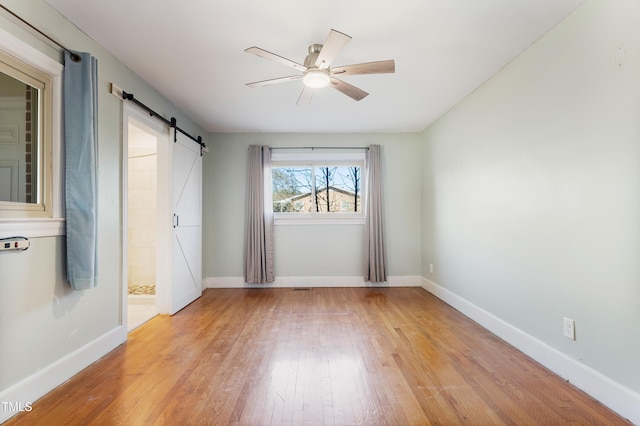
569 328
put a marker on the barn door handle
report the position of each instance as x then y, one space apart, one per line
176 220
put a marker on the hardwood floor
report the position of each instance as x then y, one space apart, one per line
343 356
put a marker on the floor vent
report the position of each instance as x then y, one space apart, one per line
301 289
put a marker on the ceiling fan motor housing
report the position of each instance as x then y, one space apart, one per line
312 57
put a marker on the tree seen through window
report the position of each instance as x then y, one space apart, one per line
317 188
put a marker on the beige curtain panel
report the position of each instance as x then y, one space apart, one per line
259 218
374 251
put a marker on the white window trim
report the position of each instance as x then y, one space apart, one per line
315 218
54 225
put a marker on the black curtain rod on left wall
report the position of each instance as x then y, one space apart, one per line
74 56
170 123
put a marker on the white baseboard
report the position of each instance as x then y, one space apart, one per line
619 398
52 376
289 282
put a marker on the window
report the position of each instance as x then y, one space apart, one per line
24 138
30 84
318 187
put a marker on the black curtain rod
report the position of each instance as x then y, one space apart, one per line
74 56
170 123
321 147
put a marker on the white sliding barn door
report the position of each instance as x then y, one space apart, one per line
186 283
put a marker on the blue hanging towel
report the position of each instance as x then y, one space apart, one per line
81 168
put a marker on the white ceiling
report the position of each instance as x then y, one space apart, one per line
192 51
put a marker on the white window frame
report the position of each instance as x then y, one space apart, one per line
49 220
316 158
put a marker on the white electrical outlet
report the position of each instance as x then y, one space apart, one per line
431 268
569 328
18 243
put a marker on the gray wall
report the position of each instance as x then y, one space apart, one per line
531 191
307 250
41 319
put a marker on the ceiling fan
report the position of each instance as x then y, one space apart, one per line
317 71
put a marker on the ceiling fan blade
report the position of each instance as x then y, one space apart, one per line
352 91
305 96
275 58
378 67
274 81
334 43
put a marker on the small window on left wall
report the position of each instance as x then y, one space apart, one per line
25 147
30 84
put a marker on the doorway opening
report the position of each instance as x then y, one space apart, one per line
142 213
161 219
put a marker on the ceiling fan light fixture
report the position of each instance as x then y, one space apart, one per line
316 78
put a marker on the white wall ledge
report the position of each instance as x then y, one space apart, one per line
32 228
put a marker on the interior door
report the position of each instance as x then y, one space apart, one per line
186 285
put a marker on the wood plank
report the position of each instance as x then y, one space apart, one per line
326 356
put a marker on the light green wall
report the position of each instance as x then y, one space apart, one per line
313 250
41 319
531 191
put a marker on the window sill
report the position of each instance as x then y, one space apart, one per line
318 220
31 228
